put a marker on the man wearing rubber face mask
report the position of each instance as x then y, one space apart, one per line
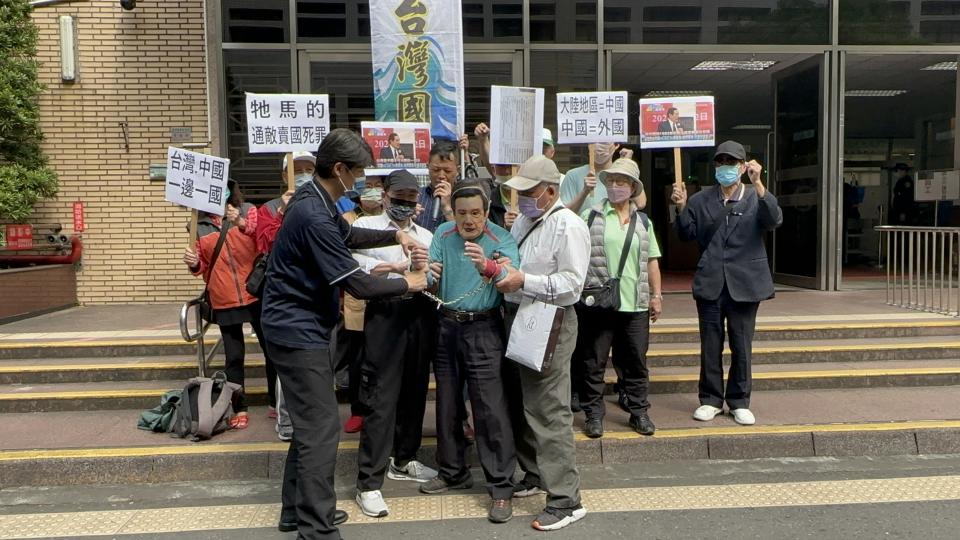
554 254
729 222
399 342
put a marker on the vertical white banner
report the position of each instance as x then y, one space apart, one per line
417 48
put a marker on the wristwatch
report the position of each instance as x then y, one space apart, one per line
657 296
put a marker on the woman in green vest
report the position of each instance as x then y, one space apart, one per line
621 298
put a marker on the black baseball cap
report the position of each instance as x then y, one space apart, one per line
732 149
401 179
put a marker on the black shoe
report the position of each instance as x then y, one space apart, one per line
642 424
593 428
622 401
575 403
339 517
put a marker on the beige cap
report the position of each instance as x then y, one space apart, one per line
624 166
535 170
298 156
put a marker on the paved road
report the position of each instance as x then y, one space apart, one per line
880 498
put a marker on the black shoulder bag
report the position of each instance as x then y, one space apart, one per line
607 296
206 308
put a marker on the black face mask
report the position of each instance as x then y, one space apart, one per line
401 210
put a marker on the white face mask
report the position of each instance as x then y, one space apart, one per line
302 179
500 180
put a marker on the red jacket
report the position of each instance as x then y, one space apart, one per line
227 283
269 220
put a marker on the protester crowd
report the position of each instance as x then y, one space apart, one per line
388 280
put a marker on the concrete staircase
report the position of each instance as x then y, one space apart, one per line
845 385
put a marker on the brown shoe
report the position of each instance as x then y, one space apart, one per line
501 510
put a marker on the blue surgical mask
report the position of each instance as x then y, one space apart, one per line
727 175
302 179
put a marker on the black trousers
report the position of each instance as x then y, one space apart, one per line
307 379
348 355
628 334
526 453
400 341
739 319
472 352
234 349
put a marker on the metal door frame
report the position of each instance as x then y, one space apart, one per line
823 61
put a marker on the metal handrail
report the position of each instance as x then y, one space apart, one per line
923 267
201 326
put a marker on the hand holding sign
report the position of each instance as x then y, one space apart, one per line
191 258
679 195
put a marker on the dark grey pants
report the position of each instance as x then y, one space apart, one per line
399 342
472 352
740 320
308 493
628 334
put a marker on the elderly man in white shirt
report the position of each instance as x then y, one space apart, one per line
399 341
554 255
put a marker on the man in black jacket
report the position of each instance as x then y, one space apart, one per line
309 263
729 222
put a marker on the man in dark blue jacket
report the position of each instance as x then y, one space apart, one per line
729 222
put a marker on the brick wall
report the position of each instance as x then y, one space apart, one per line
146 68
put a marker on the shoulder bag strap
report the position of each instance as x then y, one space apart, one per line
537 224
626 244
225 225
592 218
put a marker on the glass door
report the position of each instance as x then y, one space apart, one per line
798 173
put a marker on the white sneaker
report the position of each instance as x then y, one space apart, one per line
743 417
413 472
705 413
371 503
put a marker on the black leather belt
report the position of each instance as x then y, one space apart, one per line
390 299
469 316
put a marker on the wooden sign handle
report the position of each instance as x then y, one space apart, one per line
591 148
677 166
192 231
514 195
291 182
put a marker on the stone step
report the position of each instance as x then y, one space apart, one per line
667 380
662 333
161 368
105 448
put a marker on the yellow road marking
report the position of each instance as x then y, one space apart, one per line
653 353
682 377
107 394
653 329
474 506
114 367
352 444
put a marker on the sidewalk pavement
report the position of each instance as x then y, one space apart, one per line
122 322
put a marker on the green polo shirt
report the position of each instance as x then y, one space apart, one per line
460 276
614 236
